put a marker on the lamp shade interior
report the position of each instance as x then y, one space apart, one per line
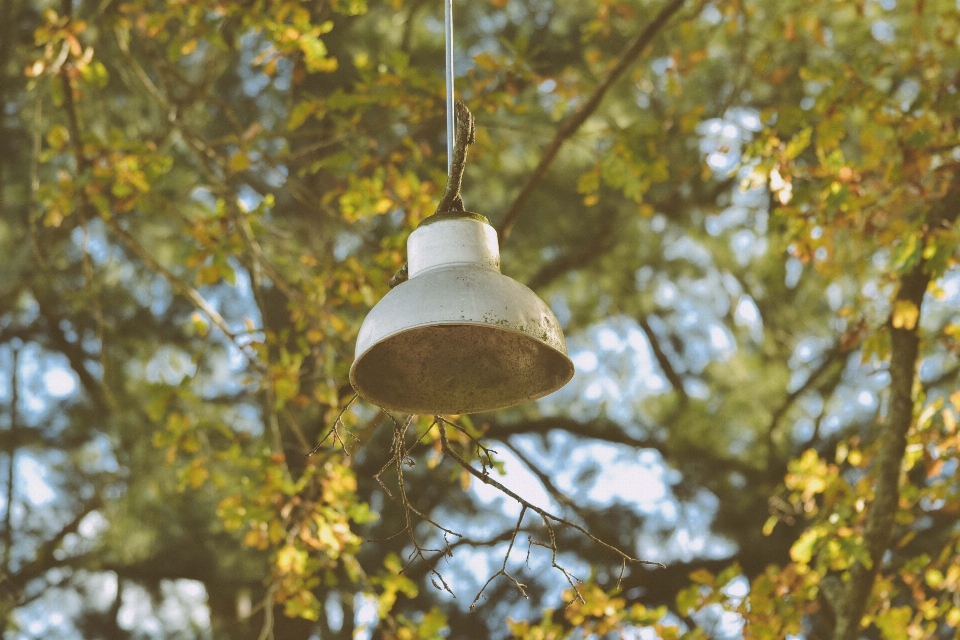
458 368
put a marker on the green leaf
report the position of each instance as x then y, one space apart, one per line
798 143
893 622
688 599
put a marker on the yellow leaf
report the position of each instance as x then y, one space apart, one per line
905 315
199 324
769 525
802 550
934 578
955 400
949 421
197 475
255 538
57 136
239 161
485 61
953 617
291 559
702 576
383 205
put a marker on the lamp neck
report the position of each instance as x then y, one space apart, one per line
453 239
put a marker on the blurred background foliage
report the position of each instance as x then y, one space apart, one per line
749 235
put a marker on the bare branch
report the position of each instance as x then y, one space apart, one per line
665 365
548 517
545 480
484 454
503 568
266 631
334 431
572 579
400 457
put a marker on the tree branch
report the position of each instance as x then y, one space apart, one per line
522 588
45 557
75 354
609 431
837 352
904 353
675 380
570 127
547 517
905 345
598 244
545 480
11 463
180 286
600 429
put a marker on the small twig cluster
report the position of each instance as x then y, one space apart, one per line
401 456
334 431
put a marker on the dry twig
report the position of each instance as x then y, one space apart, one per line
549 521
334 431
400 457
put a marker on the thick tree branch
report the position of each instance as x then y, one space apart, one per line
904 352
601 241
904 345
609 431
948 375
46 557
600 429
570 127
7 23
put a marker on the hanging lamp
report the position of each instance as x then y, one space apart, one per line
457 336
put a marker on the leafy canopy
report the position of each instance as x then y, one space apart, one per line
744 214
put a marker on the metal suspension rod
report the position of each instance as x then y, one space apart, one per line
448 38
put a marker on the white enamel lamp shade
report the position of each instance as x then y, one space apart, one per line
458 336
